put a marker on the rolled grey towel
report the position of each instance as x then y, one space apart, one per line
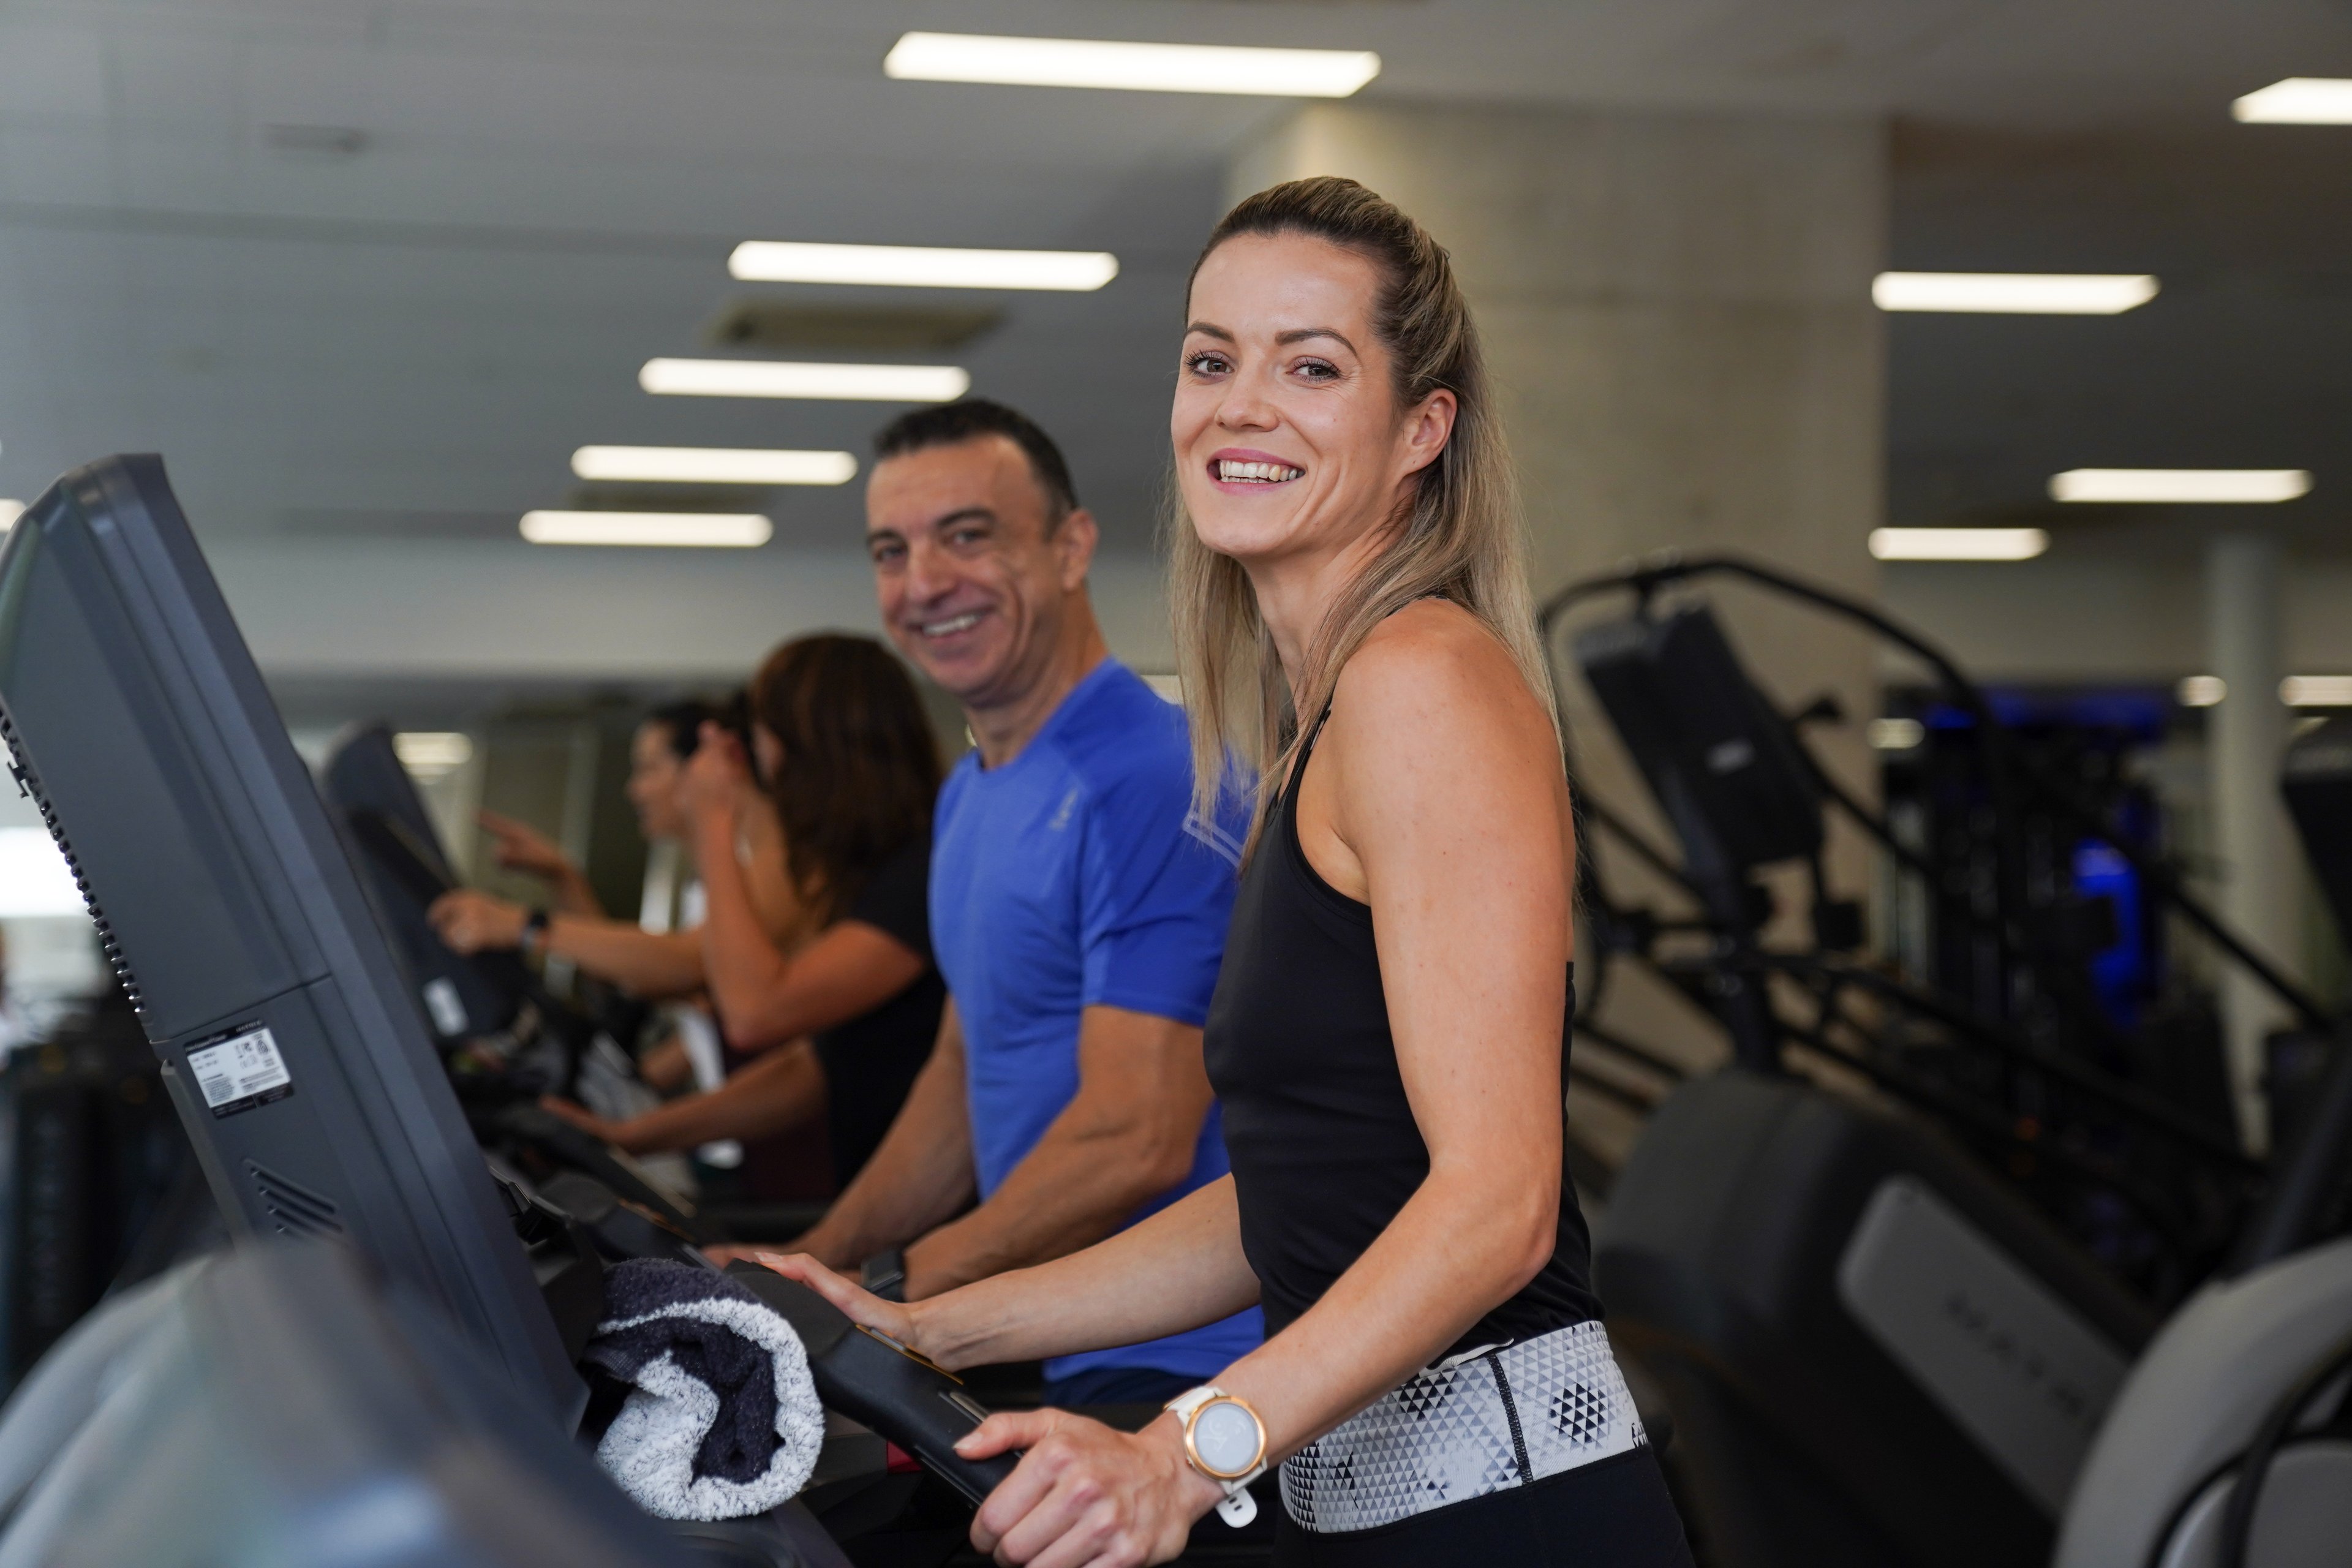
721 1418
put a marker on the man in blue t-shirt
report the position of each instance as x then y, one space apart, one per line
1079 908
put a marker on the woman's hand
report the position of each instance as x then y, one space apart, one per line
519 847
470 921
718 776
588 1122
862 1307
1085 1496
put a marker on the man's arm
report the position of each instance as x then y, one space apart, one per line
1126 1137
920 1175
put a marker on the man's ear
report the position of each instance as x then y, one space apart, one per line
1073 547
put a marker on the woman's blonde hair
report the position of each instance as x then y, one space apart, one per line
1458 537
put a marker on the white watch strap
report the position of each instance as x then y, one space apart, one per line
1239 1507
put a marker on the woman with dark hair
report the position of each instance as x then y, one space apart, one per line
1389 1032
843 1023
658 751
574 926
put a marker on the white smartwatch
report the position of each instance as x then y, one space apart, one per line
1225 1441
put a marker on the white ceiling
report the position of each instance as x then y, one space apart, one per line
404 343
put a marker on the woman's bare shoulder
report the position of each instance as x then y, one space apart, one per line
1434 665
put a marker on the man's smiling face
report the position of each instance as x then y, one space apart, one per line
973 572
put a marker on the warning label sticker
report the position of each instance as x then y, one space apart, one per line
240 1072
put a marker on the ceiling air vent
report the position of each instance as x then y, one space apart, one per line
328 142
607 497
787 324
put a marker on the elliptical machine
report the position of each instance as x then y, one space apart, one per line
2232 1443
1878 1345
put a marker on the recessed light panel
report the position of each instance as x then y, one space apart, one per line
713 466
700 530
431 753
36 883
2201 691
1958 543
2014 293
921 266
2298 100
2316 692
786 378
2202 487
1142 68
1894 734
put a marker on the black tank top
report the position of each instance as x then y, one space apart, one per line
1324 1150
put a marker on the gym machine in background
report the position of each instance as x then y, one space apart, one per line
505 1038
1891 1327
297 1052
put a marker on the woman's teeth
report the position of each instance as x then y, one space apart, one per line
952 626
1264 473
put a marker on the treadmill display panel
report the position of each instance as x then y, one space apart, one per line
135 717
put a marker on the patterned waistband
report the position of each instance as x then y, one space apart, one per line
1503 1418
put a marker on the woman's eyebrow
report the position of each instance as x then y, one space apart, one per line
1300 334
1211 329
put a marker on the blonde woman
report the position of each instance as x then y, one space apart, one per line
1390 1024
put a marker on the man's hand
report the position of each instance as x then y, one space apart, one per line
519 847
1084 1494
470 921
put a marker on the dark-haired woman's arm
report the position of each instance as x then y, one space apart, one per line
764 996
519 847
651 964
782 1090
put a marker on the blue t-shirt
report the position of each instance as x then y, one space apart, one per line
1075 876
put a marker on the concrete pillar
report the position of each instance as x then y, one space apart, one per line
2245 745
1677 310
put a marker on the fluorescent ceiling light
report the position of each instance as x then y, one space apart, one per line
2298 100
2219 486
10 510
1894 734
783 378
35 882
708 530
1958 543
2201 691
713 466
430 754
2316 692
2014 293
921 266
1143 68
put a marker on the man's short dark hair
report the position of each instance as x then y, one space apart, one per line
973 418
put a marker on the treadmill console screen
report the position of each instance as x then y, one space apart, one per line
296 1053
403 863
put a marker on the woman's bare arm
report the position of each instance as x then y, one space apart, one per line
1436 796
643 962
782 1090
1181 1267
765 995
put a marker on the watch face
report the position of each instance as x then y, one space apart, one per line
1227 1437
